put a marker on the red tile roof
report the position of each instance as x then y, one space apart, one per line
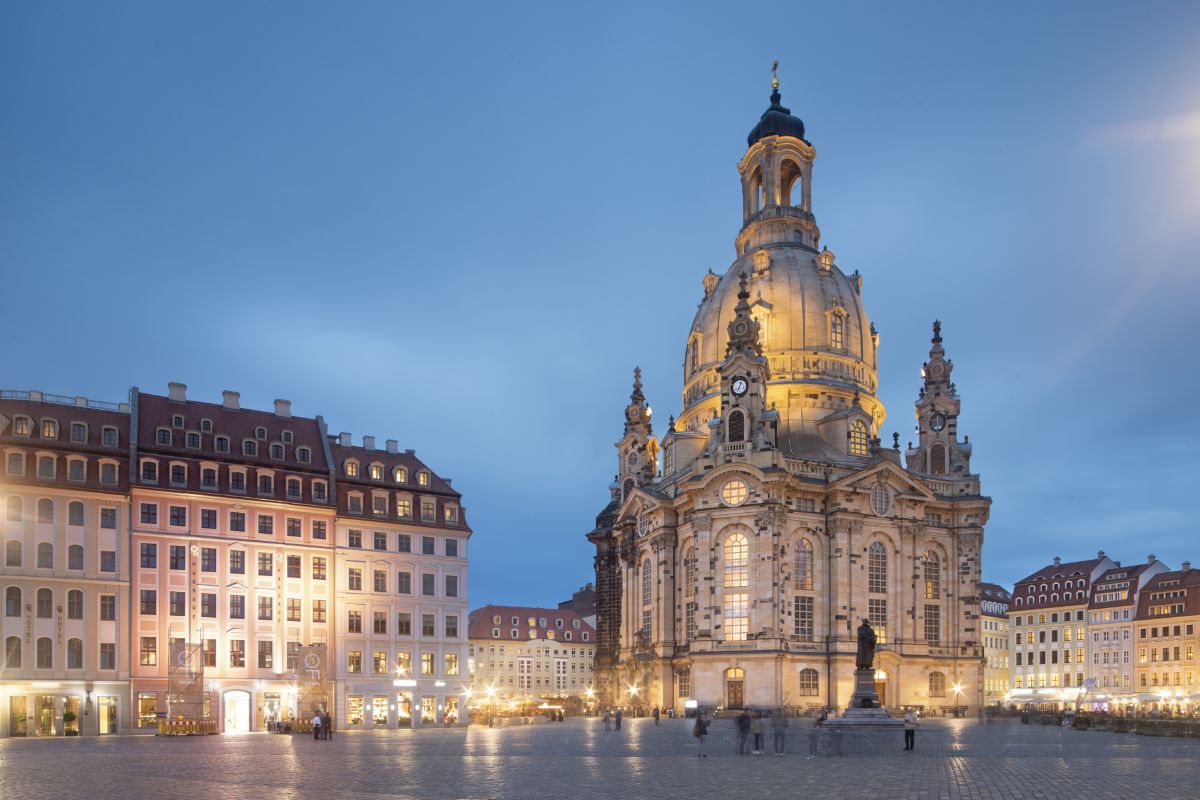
1044 594
1117 575
1185 583
481 623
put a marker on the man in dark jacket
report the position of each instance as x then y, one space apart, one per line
743 731
327 725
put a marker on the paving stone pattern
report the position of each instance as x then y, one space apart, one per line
579 760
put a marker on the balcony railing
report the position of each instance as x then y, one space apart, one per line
62 400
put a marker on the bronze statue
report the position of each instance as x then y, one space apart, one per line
866 645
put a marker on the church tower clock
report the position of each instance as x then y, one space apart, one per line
938 451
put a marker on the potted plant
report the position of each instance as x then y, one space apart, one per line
69 729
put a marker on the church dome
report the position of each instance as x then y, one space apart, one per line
776 121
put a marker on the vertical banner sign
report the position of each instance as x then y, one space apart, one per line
312 670
185 680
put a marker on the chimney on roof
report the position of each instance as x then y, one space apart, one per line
177 392
1185 566
344 439
232 401
1118 563
1100 554
392 444
448 481
1150 559
283 408
1057 561
410 452
369 442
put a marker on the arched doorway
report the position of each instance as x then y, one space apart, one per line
237 711
881 680
735 687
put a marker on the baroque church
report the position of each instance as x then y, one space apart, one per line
735 573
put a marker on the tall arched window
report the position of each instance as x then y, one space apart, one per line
14 509
647 582
804 565
837 331
736 585
694 354
45 653
933 576
877 568
937 459
858 438
12 601
75 513
789 183
45 555
810 682
756 191
737 426
45 603
45 510
12 553
937 684
74 604
12 652
75 556
689 571
74 654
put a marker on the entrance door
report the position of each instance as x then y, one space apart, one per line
237 712
881 686
44 723
735 693
108 714
16 715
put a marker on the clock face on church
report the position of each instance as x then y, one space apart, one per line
937 421
739 387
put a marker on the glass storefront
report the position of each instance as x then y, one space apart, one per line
17 715
44 722
428 709
272 708
107 708
354 710
379 709
404 709
71 716
451 714
147 709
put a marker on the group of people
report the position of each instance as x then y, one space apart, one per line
610 716
751 731
322 725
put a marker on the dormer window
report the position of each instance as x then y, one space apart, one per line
193 440
260 433
400 475
287 437
163 436
78 433
206 426
277 451
837 330
21 426
858 438
109 437
303 455
249 447
422 478
177 421
265 485
222 443
376 472
355 503
351 468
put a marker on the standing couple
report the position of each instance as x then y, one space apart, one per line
322 725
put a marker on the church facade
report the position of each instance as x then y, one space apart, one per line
736 572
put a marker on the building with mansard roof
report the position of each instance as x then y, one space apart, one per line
736 574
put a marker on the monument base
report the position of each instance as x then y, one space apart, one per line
865 728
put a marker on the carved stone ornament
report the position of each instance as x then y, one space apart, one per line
702 521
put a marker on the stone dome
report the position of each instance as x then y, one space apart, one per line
794 294
776 121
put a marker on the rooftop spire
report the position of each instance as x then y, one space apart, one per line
743 328
775 96
637 396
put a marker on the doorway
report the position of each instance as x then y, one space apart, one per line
237 712
108 714
881 678
735 687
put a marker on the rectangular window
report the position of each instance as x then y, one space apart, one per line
933 624
429 625
803 621
208 519
266 524
293 527
404 624
149 514
451 586
379 665
293 566
354 662
237 521
237 562
379 622
178 604
266 654
353 538
427 584
293 656
354 579
237 606
148 653
177 556
208 559
108 518
380 584
237 653
210 652
266 564
208 604
354 622
403 583
451 626
379 506
877 613
404 543
380 541
148 601
108 607
451 665
426 663
266 608
108 655
293 609
427 545
736 616
179 516
149 555
452 548
318 529
318 568
403 508
318 610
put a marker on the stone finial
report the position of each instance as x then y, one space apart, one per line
937 331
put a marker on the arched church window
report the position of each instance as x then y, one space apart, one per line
804 565
647 581
689 572
937 460
837 331
810 682
737 426
933 576
858 438
756 191
937 684
877 568
790 184
694 355
736 612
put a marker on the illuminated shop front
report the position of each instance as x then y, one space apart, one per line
63 708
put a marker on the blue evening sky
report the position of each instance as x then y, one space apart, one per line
462 226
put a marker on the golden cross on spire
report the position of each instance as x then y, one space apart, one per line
775 75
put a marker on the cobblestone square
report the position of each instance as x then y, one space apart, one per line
578 759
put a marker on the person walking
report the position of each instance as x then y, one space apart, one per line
655 715
700 731
756 728
779 726
824 715
743 731
316 723
910 730
608 719
617 717
326 726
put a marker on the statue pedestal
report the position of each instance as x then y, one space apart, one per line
865 728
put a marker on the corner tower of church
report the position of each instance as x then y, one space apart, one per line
733 572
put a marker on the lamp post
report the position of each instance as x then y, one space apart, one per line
958 691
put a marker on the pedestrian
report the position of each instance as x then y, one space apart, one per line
326 725
617 717
700 731
316 723
743 731
655 714
756 728
824 715
910 730
608 719
779 726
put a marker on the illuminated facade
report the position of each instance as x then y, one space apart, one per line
1111 636
64 486
993 605
520 654
1167 640
736 574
